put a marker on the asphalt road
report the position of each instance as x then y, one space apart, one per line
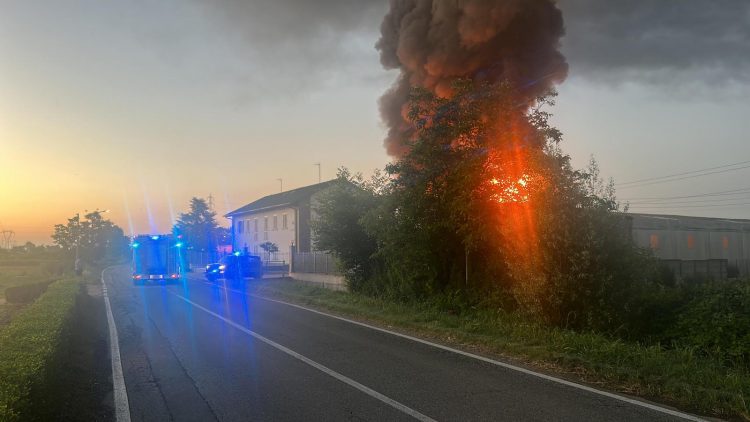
198 351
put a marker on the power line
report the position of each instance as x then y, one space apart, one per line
684 173
700 195
693 206
680 178
686 202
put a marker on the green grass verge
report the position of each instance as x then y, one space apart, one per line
29 343
676 376
20 272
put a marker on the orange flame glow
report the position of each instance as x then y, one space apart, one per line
513 184
511 190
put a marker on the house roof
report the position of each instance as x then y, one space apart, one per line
284 199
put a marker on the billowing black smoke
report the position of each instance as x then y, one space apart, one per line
435 42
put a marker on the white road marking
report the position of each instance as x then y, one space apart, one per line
367 390
650 406
122 408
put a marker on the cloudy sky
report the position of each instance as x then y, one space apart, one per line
137 106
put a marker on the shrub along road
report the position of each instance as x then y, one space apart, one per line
200 351
54 359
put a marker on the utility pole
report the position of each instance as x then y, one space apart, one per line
466 267
78 235
281 185
319 178
7 239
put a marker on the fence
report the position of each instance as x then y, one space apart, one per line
315 263
273 257
199 259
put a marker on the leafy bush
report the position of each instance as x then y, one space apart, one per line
26 293
717 320
54 268
338 228
29 343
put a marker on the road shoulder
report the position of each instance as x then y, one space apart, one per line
455 334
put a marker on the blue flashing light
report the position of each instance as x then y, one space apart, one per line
135 245
237 253
178 245
155 237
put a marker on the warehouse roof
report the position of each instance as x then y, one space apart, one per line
652 221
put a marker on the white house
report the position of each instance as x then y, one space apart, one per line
282 218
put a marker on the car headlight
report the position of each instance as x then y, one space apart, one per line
208 267
222 267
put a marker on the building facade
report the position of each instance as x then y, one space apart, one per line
684 238
282 219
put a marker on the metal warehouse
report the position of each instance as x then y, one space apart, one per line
694 246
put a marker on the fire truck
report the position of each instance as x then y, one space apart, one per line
157 258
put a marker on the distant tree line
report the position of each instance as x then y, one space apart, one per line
97 238
94 237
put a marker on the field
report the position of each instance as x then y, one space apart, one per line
19 270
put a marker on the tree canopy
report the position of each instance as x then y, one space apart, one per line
198 226
95 237
485 203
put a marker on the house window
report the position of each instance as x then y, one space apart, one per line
654 241
265 235
239 227
691 241
255 236
725 242
275 222
265 224
256 226
284 222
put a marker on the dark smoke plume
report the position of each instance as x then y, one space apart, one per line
435 42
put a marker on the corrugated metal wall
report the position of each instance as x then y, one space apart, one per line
695 239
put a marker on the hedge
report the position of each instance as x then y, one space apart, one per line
26 293
30 343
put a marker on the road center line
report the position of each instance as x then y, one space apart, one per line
122 408
592 390
367 390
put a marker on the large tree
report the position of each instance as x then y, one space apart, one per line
485 182
198 226
483 202
338 227
94 237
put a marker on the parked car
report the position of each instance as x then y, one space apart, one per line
232 267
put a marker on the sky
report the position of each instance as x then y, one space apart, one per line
136 107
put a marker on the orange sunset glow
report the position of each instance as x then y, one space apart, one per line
381 210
